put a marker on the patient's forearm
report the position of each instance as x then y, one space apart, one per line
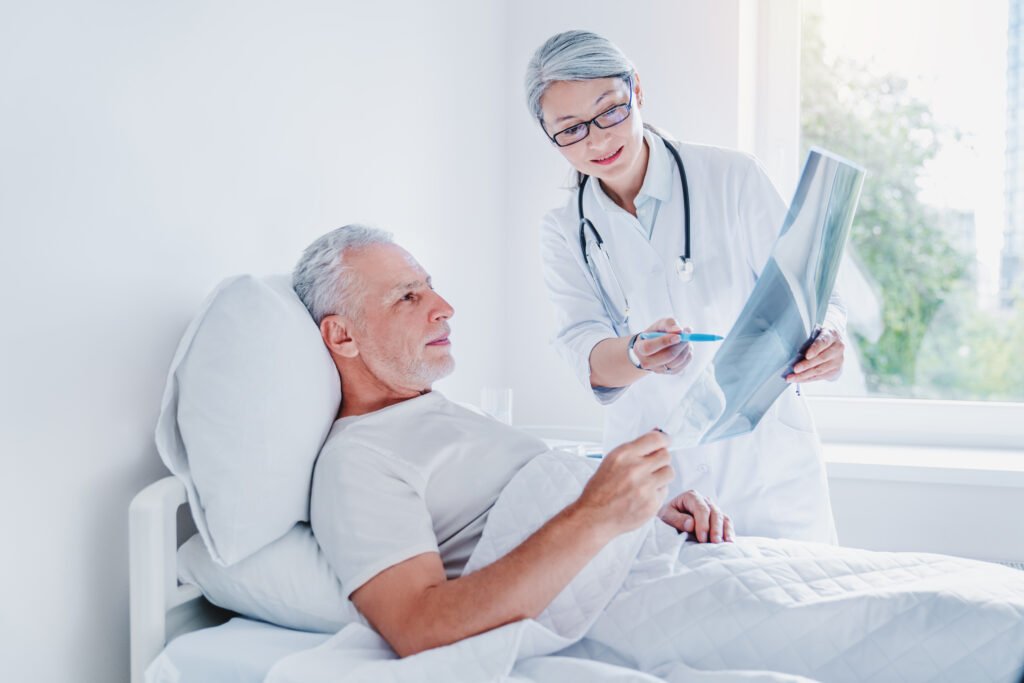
518 586
415 607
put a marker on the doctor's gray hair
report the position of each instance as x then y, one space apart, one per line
322 280
572 56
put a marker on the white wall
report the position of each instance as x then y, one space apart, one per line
148 150
688 55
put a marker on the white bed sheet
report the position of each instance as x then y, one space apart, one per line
649 607
239 651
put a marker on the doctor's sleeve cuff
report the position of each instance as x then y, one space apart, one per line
608 395
580 316
576 344
835 316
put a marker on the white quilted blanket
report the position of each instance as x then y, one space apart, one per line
650 607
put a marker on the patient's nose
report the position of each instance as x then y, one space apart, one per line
442 309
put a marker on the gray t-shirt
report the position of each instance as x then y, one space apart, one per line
416 477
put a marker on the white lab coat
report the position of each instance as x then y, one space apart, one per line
772 481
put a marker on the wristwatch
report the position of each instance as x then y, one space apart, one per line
632 354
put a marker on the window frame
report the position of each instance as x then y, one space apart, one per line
769 127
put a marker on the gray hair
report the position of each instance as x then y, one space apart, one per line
572 56
322 280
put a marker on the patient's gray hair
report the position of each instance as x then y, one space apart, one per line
572 56
322 280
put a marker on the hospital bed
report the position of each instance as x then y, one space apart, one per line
178 636
162 609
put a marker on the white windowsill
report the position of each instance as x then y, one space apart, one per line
968 425
964 466
970 466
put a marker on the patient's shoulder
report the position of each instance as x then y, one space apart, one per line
382 431
354 448
348 467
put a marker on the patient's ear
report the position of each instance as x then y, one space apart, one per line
334 331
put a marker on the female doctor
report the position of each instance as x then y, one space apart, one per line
656 232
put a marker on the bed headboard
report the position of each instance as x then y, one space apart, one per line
160 608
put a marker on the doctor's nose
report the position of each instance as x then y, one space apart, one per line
597 138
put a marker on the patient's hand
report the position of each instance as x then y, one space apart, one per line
630 484
696 514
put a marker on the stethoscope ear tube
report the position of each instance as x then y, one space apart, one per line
686 207
585 222
615 303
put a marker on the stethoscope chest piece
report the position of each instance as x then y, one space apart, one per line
684 268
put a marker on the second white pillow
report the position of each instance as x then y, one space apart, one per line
287 583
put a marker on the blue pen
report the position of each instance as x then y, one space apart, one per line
684 336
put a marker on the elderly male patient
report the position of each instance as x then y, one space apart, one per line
404 483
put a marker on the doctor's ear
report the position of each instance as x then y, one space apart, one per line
334 331
638 90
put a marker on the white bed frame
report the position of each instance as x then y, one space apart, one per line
160 608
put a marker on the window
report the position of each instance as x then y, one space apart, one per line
927 96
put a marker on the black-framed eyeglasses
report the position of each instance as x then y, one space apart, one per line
606 119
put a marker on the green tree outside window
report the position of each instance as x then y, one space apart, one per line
936 343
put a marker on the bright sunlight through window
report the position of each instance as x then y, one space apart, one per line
927 96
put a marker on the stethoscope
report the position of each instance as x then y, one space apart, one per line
616 304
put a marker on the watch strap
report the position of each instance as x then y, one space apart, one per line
633 358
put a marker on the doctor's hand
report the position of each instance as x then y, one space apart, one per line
823 360
664 355
629 486
693 513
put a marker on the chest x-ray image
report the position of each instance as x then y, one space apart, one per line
783 313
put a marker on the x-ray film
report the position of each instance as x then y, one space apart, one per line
783 313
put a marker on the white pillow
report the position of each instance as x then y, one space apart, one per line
287 583
251 395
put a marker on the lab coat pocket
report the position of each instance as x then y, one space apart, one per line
792 413
794 477
787 451
790 440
